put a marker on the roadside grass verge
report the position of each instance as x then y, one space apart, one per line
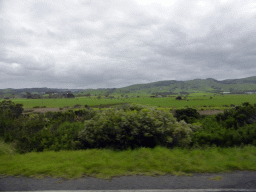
104 163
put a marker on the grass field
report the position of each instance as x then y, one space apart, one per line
107 163
56 103
196 101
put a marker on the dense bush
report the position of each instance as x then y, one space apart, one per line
178 98
53 131
10 110
234 127
70 116
189 115
38 132
238 116
64 138
121 129
9 114
213 133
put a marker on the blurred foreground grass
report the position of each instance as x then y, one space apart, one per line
103 163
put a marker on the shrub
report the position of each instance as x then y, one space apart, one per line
71 116
122 129
65 137
238 116
224 133
38 132
178 98
10 113
10 110
189 115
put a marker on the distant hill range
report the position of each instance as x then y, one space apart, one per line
170 87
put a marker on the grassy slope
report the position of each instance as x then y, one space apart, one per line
191 86
108 163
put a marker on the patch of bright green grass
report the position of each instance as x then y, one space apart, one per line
107 163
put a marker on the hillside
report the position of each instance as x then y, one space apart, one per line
173 87
170 87
11 93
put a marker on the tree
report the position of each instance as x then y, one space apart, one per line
189 115
29 95
70 95
10 109
178 98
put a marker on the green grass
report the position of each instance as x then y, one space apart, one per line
195 101
107 163
56 103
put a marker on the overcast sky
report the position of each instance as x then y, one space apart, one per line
116 43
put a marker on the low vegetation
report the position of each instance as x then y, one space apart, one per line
142 138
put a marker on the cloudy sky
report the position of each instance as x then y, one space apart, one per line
116 43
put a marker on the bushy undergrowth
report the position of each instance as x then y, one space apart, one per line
129 126
238 116
234 127
189 115
49 138
39 132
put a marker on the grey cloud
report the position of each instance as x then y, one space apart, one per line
93 44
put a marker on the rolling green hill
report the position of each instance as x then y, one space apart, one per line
173 87
170 87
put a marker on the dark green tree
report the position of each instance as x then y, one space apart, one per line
10 109
178 98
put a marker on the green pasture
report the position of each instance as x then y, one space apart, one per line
194 101
56 103
197 101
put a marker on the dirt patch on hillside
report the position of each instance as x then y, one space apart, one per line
210 112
